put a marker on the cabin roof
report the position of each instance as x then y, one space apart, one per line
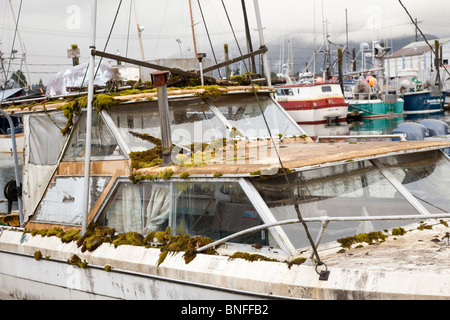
297 153
54 105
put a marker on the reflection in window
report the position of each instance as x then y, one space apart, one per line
191 121
46 139
213 210
246 114
354 189
216 210
426 175
103 142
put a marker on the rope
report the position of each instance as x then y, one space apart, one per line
299 215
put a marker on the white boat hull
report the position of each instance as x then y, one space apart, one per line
135 275
319 115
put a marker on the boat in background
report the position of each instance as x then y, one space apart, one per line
5 134
369 95
419 96
369 102
313 103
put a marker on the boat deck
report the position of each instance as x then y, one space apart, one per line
295 153
411 266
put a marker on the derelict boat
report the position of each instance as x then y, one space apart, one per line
226 218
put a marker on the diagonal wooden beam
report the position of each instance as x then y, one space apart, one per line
243 57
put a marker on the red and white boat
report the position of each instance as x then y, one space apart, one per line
320 102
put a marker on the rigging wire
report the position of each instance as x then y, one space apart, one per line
299 215
209 38
12 48
106 44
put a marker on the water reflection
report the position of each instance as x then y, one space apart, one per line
371 126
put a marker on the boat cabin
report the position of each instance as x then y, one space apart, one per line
238 162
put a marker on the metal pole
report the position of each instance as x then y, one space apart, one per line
16 165
262 44
87 157
159 80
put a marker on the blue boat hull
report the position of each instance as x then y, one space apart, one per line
418 102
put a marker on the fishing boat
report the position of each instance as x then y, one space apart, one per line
217 193
417 95
224 219
369 94
313 103
369 102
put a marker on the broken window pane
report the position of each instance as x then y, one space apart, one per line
103 143
350 190
246 115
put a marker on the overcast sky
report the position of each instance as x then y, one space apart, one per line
48 28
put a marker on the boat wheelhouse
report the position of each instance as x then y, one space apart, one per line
313 103
243 174
418 96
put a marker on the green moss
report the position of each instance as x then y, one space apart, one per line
184 175
94 237
130 238
165 175
217 175
108 268
57 232
370 238
398 231
443 222
424 226
103 102
250 257
178 243
76 261
297 262
70 235
255 173
147 158
38 255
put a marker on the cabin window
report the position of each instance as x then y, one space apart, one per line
212 210
102 141
139 207
63 201
426 175
216 210
326 89
353 189
285 92
246 115
191 121
46 140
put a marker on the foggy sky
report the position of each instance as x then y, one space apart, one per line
48 28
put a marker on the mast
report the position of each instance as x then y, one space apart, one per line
262 44
192 27
140 29
249 39
87 159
